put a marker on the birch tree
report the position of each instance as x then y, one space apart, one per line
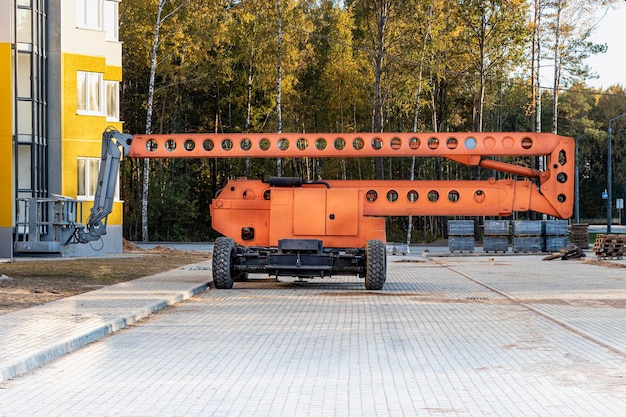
146 161
418 95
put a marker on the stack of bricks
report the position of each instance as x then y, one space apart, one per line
609 246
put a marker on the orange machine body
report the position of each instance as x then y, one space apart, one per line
254 213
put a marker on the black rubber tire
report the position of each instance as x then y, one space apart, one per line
223 252
376 265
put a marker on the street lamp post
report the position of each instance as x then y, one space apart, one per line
609 185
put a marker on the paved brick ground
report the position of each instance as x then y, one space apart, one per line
34 336
447 337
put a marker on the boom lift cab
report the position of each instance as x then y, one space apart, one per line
291 227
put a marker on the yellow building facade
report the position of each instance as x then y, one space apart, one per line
60 71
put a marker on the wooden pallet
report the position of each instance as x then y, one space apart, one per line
609 246
579 235
570 252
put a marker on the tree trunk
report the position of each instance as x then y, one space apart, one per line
534 64
557 66
537 76
146 161
382 17
246 160
279 80
418 94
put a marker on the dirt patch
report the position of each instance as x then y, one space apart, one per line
604 263
128 246
28 282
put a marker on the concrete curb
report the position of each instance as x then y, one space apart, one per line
20 332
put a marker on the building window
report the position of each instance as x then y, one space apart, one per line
24 75
89 14
24 167
88 178
112 89
24 26
89 93
110 20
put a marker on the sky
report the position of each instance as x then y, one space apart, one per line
610 66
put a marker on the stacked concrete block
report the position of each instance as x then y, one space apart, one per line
555 235
527 236
496 236
461 235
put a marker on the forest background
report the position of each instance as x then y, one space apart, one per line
354 66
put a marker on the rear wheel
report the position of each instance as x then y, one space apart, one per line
376 265
223 254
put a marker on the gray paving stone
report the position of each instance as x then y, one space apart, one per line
455 337
34 336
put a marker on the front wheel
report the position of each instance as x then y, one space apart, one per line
223 253
376 265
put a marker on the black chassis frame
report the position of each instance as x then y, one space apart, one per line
302 258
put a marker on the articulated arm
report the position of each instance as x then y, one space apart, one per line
114 145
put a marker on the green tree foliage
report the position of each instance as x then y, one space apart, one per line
495 34
347 66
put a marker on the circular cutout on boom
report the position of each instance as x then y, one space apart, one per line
302 144
152 145
452 143
371 196
527 143
396 143
264 144
208 145
170 145
433 143
227 144
377 144
358 144
433 196
320 144
412 196
245 144
283 144
189 145
414 143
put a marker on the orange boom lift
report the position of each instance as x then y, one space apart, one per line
286 226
